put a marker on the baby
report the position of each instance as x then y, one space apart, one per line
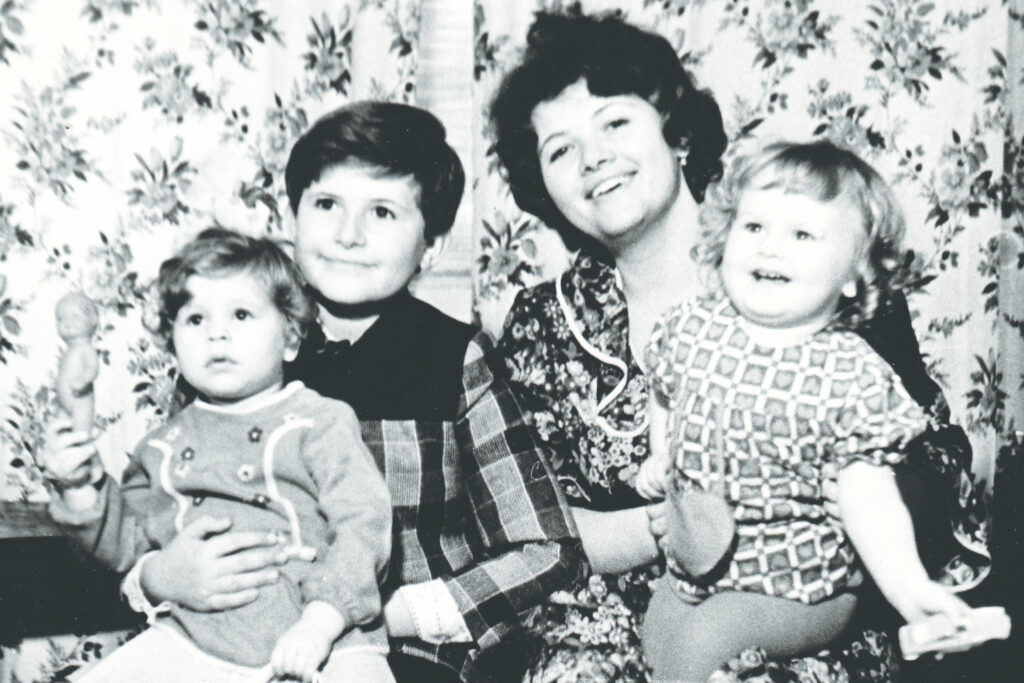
269 456
763 399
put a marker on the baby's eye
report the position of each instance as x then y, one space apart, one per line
325 203
242 314
802 235
383 212
194 319
751 226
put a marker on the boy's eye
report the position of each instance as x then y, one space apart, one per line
383 212
325 203
242 314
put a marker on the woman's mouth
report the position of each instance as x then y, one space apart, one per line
609 185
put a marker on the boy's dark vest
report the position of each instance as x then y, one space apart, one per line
407 366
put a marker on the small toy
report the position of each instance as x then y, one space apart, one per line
937 634
77 320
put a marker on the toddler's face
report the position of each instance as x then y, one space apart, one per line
359 234
788 257
230 339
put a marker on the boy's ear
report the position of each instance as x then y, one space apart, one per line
291 345
435 248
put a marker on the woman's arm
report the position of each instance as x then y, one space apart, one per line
619 540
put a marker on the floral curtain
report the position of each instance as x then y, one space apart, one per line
927 91
126 126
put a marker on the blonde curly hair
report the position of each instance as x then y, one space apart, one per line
824 172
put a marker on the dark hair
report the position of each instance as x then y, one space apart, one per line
615 58
824 172
219 251
399 139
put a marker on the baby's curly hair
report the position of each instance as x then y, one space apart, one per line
824 172
217 251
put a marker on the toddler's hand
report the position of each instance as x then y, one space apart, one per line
651 480
925 599
69 457
304 647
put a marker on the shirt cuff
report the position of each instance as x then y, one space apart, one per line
435 613
131 588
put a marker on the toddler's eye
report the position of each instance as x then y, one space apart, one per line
194 319
325 203
802 235
242 314
383 212
751 226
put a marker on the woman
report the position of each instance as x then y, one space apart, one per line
598 128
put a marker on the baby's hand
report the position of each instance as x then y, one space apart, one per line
304 647
924 599
651 480
69 457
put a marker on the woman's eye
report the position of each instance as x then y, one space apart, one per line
242 314
325 203
383 212
618 123
558 153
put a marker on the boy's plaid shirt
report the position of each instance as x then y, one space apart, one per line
473 499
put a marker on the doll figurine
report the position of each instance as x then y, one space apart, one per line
77 319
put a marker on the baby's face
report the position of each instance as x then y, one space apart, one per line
788 258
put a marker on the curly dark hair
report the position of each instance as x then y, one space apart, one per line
824 172
614 58
217 251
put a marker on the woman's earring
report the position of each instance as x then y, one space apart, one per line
850 289
682 154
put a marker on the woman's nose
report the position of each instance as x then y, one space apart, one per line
595 155
350 232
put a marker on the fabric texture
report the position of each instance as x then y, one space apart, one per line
474 503
566 351
293 465
758 424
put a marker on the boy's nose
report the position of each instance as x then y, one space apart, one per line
350 232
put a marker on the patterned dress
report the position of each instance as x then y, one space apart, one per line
759 425
566 348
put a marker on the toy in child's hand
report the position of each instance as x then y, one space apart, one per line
77 320
937 634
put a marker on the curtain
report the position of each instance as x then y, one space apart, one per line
929 92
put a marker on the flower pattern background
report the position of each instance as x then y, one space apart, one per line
128 125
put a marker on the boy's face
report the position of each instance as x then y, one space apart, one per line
230 339
359 233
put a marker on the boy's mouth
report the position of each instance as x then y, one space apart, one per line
219 362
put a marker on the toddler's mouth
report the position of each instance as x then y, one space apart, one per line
769 276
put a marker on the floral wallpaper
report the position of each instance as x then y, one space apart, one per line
126 126
922 89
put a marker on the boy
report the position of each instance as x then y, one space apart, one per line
280 459
481 531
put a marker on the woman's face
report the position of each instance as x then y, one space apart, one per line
606 164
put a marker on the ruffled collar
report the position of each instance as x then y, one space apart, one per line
591 290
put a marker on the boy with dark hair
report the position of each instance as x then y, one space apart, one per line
481 531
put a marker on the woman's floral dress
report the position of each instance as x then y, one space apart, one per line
566 348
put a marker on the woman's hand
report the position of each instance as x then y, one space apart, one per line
923 599
207 568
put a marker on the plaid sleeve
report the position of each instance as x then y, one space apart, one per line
524 522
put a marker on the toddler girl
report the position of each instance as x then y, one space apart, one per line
270 457
764 400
